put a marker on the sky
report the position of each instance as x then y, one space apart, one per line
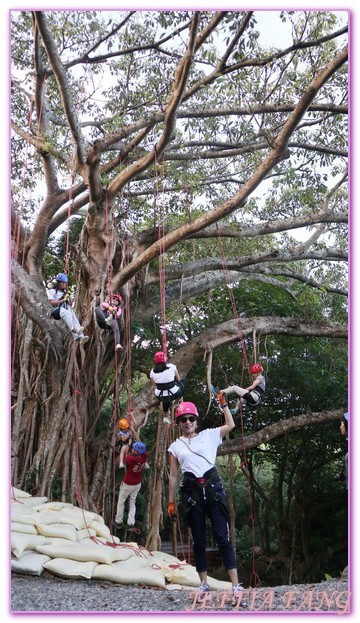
6 6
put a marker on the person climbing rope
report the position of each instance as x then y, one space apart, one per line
107 315
59 299
169 386
202 491
125 436
135 459
252 395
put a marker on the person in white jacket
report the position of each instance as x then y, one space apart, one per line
169 386
61 302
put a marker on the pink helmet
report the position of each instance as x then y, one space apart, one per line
257 367
160 357
186 408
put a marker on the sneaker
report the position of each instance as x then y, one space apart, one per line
203 588
121 465
80 330
118 347
83 339
166 420
237 590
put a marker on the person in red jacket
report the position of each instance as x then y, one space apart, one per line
135 460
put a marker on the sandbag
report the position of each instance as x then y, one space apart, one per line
100 528
125 574
187 575
23 528
86 551
73 569
63 517
33 501
84 534
48 507
18 493
58 530
23 515
30 563
20 542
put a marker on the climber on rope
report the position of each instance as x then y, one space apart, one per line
59 299
107 315
169 386
135 459
253 395
125 435
202 491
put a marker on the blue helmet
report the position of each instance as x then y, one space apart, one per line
139 446
345 419
62 277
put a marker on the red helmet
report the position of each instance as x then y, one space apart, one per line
118 297
160 357
257 367
186 408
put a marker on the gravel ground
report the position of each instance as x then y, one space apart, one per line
51 594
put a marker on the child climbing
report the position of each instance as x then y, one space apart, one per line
107 315
252 395
125 436
169 386
60 300
135 458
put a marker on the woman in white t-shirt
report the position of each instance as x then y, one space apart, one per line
202 491
169 386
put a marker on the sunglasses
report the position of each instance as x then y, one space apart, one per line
184 419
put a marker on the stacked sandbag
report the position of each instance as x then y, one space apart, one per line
76 544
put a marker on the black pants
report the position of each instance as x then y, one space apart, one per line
218 514
167 400
114 327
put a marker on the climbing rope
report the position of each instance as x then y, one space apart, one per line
245 361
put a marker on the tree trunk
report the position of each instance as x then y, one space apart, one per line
153 541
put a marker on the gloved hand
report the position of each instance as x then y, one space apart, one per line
222 399
171 510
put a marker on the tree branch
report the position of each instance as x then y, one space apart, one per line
277 430
277 153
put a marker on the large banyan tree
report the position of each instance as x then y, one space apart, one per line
168 156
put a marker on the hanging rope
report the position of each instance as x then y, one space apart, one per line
161 235
253 575
17 231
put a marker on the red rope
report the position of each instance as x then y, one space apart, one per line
161 235
243 346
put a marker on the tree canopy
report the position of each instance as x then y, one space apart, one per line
172 157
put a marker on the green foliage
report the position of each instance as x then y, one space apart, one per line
210 156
